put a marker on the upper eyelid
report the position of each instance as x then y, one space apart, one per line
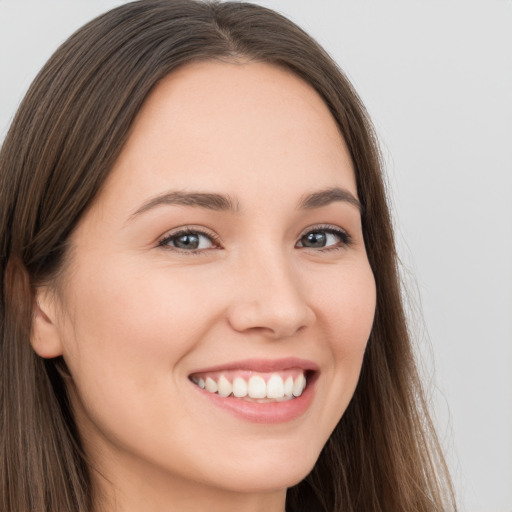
188 229
346 238
324 227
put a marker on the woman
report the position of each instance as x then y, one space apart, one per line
200 304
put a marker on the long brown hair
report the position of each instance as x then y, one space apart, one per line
69 130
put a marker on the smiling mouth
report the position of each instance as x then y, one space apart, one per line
252 386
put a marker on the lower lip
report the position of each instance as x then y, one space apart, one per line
269 412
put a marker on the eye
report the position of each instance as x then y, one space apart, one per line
326 238
189 240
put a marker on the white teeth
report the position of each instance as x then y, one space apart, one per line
275 387
299 385
239 387
211 385
257 387
288 386
225 387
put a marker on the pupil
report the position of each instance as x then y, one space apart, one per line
315 239
187 242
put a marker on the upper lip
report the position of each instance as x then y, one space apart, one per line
262 365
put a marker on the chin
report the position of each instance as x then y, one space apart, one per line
270 480
267 474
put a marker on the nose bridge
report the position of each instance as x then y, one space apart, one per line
269 295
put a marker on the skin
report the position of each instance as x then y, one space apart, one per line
133 319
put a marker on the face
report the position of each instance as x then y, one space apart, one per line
224 252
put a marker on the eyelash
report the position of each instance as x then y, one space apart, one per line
189 231
345 239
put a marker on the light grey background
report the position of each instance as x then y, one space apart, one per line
436 77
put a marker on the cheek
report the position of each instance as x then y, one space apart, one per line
347 307
126 332
130 328
139 313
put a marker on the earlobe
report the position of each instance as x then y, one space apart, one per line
45 336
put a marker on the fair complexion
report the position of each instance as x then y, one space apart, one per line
265 275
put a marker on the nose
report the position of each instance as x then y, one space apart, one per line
268 298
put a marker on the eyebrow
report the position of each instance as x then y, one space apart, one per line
210 201
328 196
225 203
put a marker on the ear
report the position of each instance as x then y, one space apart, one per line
45 336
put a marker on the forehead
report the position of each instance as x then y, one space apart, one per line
214 124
